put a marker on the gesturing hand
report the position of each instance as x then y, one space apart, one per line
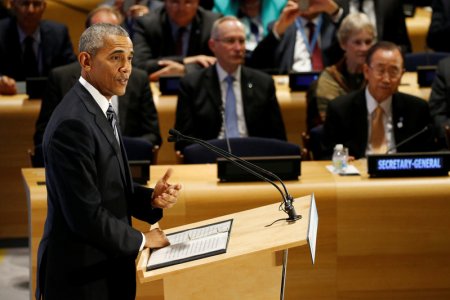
165 195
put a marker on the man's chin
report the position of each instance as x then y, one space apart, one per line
120 92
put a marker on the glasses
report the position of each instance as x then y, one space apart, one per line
35 4
231 41
392 72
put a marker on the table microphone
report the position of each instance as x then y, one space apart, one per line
411 137
289 209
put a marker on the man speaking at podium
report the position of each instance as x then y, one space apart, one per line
379 119
89 248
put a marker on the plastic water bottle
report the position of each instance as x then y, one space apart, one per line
339 158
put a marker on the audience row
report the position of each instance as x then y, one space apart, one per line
222 94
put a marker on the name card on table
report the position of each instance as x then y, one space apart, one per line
285 167
302 80
409 164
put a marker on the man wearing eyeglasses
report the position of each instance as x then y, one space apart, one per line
378 119
228 99
173 40
30 46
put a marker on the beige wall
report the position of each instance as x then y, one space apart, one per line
72 18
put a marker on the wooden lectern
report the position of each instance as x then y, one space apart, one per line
250 269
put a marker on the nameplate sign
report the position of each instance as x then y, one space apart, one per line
285 167
301 81
409 164
169 85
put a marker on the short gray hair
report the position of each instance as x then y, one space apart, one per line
93 38
216 24
352 24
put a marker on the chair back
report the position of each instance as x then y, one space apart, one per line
242 147
140 153
414 60
36 157
138 148
316 143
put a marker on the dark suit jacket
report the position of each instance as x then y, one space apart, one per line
346 123
440 100
199 109
439 30
391 25
137 112
56 48
153 38
278 55
89 247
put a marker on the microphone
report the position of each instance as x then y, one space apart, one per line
225 131
253 169
408 139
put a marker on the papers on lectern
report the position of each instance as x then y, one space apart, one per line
192 244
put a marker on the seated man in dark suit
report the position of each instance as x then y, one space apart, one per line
377 118
173 39
228 99
133 9
440 101
31 47
136 110
301 40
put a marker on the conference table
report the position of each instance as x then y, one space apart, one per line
17 119
378 238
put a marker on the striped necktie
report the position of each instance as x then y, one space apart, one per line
112 119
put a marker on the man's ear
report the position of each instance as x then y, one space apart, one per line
85 61
212 45
366 71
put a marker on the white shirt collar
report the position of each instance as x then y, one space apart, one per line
36 35
306 21
223 74
99 98
372 103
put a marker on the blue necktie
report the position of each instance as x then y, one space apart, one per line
112 119
230 110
